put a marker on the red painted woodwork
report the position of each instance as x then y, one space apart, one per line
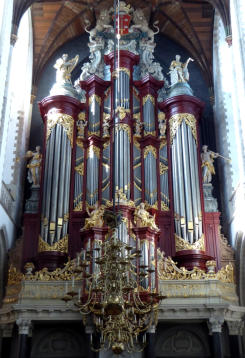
30 234
164 220
192 258
212 235
50 259
126 59
148 85
95 85
62 104
95 233
182 104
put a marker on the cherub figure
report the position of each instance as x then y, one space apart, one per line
81 124
106 125
162 124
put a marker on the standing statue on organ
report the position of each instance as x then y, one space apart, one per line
138 127
81 124
64 68
178 71
34 166
106 125
207 157
162 124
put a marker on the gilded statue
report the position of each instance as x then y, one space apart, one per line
162 124
95 218
81 124
144 219
34 166
179 71
207 157
106 125
138 126
64 68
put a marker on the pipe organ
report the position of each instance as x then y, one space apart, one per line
123 139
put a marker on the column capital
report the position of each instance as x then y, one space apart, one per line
24 326
235 327
215 324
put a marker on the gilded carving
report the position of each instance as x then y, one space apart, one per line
123 69
177 119
79 206
142 218
94 97
122 112
182 244
150 149
61 245
163 168
125 127
80 169
168 270
150 97
164 207
66 121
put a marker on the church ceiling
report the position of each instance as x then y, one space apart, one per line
188 22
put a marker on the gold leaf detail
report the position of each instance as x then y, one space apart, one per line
66 121
80 169
150 149
61 245
182 244
150 97
163 168
177 119
94 97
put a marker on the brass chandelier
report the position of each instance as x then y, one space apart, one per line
112 277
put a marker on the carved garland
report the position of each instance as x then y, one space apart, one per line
182 244
61 245
66 121
177 119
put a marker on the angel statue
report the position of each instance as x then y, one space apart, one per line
64 68
178 71
207 157
34 166
95 217
143 219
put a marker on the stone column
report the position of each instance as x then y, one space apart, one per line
215 328
235 333
149 351
24 341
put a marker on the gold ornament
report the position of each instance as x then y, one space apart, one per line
182 244
177 119
150 149
94 97
60 246
150 97
66 121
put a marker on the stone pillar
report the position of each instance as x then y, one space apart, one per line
24 341
235 333
149 351
215 328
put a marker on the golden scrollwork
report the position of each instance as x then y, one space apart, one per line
164 207
120 69
150 97
14 277
82 116
161 116
182 244
61 245
168 270
136 143
80 169
150 149
94 97
60 274
93 150
125 127
163 143
122 112
136 115
66 121
163 168
122 199
177 119
79 206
